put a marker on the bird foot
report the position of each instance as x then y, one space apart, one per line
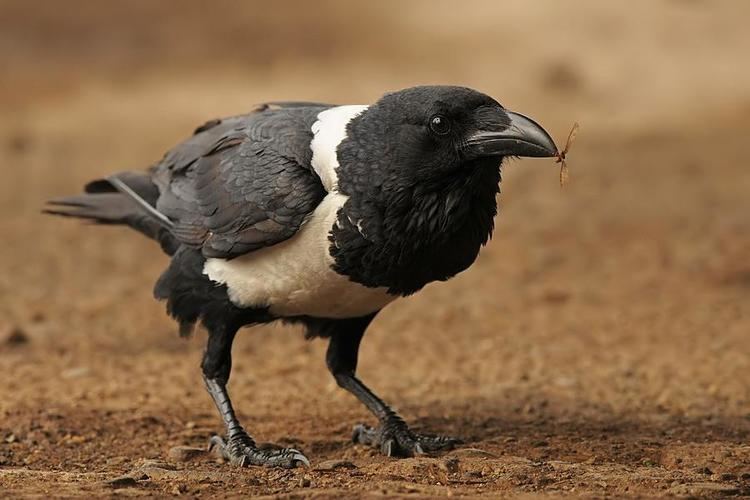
394 439
240 449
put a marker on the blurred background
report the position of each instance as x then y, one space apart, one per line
599 345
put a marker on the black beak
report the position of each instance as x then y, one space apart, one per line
521 137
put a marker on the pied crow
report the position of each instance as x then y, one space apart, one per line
320 215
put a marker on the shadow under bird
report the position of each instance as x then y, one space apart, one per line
319 215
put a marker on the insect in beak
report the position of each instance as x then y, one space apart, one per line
560 155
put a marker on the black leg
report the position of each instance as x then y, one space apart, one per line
238 447
392 436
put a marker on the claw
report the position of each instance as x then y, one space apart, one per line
299 457
387 448
418 450
363 434
216 441
356 432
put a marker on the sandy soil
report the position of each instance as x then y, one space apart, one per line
598 347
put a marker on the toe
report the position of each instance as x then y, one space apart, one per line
288 458
297 459
394 439
243 453
216 442
437 443
363 434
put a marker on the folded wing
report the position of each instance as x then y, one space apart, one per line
242 183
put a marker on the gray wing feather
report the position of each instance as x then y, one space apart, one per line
241 183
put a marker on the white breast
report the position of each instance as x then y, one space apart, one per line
295 277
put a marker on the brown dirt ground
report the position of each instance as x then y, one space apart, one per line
598 347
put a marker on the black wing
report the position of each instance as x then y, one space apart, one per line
242 183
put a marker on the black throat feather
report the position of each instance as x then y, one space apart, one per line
411 234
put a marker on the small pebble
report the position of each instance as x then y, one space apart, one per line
329 465
179 489
122 482
154 469
185 453
159 464
304 482
14 337
704 490
450 465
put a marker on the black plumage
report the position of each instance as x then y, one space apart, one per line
317 214
235 186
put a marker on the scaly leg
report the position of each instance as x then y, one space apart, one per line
238 447
392 436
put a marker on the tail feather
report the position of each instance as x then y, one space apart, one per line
143 204
104 208
127 198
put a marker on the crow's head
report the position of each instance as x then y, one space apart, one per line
421 171
424 133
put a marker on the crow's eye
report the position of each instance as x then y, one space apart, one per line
440 125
